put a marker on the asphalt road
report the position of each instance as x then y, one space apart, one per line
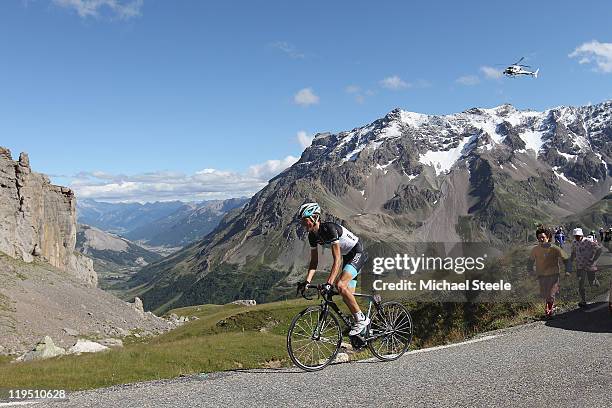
565 362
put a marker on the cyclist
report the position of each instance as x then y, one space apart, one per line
347 252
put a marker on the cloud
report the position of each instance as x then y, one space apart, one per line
358 93
394 83
288 49
122 9
271 168
595 52
304 139
490 72
306 97
468 80
164 185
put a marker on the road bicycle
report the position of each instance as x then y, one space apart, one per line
315 335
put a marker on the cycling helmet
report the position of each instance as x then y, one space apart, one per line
309 209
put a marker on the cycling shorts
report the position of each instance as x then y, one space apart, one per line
353 261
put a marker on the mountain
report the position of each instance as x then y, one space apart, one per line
592 218
163 227
46 287
38 219
121 218
482 175
115 259
189 223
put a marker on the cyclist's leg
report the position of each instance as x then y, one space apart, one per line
348 280
346 291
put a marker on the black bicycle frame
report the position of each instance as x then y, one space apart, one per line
328 302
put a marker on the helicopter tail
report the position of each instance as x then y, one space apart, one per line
535 74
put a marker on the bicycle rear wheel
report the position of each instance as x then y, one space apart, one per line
313 340
391 329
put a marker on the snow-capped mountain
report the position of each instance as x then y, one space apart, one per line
479 175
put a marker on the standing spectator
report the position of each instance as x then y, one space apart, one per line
585 253
601 234
546 258
559 237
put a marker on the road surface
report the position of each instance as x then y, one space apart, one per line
565 362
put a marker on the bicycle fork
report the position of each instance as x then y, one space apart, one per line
322 318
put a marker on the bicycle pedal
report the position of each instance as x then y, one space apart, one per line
357 342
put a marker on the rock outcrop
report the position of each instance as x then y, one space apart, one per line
43 350
86 346
38 219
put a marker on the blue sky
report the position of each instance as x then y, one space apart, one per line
151 99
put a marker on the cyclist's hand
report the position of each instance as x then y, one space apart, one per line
327 288
301 287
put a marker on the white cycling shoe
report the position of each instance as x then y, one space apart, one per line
359 327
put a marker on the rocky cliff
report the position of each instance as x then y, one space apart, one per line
38 219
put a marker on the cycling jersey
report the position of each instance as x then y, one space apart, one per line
353 255
329 233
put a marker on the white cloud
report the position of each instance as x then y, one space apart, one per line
288 49
306 97
394 82
122 9
271 168
352 89
468 80
163 185
304 139
595 52
490 72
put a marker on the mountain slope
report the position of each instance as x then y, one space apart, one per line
115 258
189 223
120 218
483 175
594 217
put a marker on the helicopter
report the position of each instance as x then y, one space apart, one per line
517 69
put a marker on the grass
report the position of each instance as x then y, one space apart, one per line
203 345
229 337
226 337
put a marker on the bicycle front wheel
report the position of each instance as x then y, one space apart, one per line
390 331
313 340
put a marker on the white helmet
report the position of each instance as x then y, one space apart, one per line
308 210
578 231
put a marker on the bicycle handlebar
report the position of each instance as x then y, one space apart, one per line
318 288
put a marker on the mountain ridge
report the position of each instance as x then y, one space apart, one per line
480 175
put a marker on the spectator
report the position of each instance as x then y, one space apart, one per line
559 237
585 253
545 257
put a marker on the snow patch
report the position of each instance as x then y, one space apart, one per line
562 176
568 156
532 139
442 161
383 168
413 119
